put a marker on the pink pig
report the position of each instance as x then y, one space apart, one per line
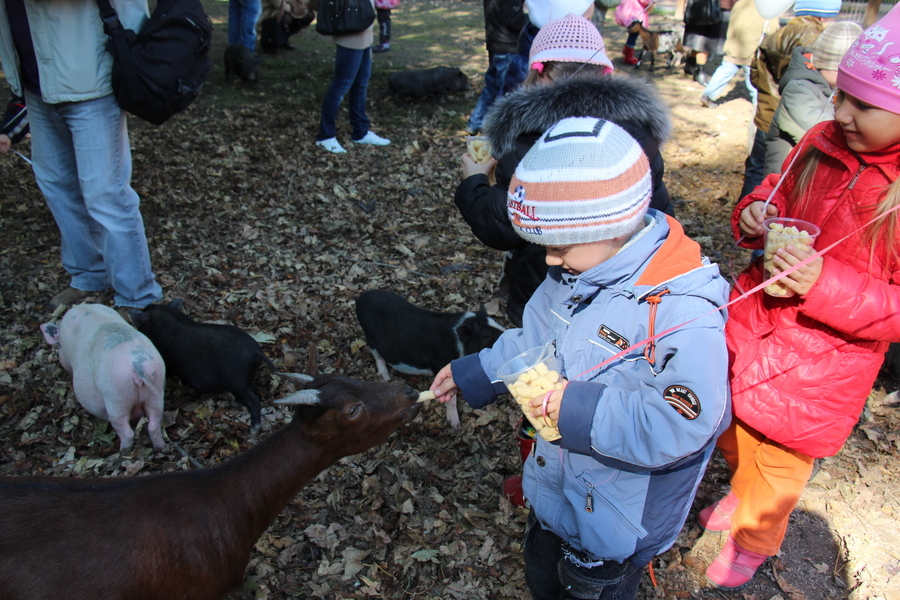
117 373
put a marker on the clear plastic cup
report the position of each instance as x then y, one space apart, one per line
779 232
479 148
531 374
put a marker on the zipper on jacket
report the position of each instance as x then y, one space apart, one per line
650 348
635 528
859 171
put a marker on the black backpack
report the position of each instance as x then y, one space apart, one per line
339 17
160 70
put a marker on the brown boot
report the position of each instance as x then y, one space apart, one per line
69 295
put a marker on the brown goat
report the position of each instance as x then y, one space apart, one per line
184 535
667 43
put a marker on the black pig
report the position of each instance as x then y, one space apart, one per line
207 357
416 341
439 81
241 61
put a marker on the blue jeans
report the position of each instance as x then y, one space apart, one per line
722 75
242 18
494 81
82 163
552 576
352 69
754 166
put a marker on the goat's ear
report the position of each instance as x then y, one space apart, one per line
300 378
310 397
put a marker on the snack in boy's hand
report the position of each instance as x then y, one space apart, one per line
535 382
479 149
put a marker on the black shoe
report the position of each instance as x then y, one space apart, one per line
701 77
383 47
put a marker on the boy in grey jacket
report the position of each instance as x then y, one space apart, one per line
633 312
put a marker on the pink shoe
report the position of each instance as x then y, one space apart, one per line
717 516
734 567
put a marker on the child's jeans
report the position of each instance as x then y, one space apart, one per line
550 575
494 81
769 479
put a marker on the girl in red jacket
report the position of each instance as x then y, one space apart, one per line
802 367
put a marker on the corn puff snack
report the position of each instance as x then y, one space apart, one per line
778 237
534 382
479 149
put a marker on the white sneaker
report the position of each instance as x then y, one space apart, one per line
332 145
371 138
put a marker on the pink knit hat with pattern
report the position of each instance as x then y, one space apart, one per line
870 70
569 39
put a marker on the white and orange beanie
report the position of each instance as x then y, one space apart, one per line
585 180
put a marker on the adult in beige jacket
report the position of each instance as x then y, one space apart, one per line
352 69
745 31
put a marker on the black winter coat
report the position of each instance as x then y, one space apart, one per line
516 122
503 20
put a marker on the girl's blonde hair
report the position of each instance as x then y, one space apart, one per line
555 70
884 230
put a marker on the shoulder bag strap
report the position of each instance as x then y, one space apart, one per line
122 49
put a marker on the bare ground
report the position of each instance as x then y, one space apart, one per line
251 225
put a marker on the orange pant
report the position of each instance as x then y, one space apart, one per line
769 479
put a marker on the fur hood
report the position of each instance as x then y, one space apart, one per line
617 98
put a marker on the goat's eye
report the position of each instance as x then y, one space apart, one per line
355 410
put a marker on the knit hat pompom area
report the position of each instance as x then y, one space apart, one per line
569 39
585 180
833 43
817 8
870 69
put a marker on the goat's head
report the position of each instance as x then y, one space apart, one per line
351 416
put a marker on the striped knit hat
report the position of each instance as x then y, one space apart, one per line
585 180
817 8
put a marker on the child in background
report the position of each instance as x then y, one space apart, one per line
503 20
570 75
637 434
14 126
806 89
627 13
383 14
802 367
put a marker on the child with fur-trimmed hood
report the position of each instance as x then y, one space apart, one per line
570 76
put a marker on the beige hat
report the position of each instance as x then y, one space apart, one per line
833 43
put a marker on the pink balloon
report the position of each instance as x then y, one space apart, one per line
769 9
